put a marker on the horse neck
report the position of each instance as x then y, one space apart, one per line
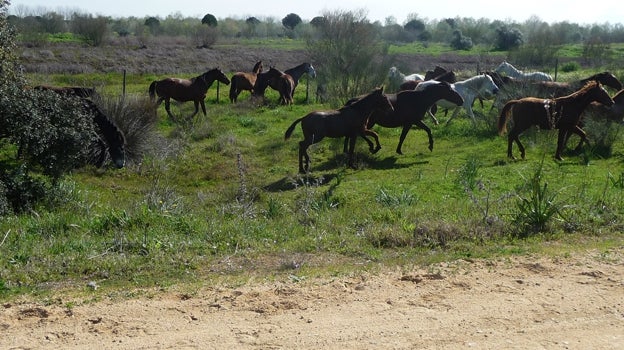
257 68
580 99
365 105
296 72
111 133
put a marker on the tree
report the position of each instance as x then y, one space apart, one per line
153 24
461 42
209 20
92 29
348 42
291 21
508 38
318 21
42 136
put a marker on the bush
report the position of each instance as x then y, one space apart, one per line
571 66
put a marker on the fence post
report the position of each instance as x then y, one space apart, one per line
218 88
123 89
556 67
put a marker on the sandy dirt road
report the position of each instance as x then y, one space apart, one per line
572 302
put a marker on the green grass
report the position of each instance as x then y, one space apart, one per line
231 202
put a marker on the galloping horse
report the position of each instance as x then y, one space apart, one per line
184 90
279 81
410 107
563 113
480 86
558 89
396 78
348 121
507 68
244 81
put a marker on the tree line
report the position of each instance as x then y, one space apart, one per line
461 33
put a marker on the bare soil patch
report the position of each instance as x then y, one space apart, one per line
572 302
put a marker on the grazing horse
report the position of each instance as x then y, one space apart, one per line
77 91
277 80
110 139
349 121
480 86
563 113
183 90
244 81
507 68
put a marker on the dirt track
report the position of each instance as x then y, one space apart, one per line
575 302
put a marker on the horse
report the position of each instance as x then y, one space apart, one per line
396 78
410 107
447 76
480 86
349 121
298 71
507 68
559 89
277 80
77 91
244 81
110 139
183 90
563 113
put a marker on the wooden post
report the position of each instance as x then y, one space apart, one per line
307 89
556 68
218 87
123 91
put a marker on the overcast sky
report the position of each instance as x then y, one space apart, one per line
599 12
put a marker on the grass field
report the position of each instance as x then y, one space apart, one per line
221 196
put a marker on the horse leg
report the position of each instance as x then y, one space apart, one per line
196 103
514 135
352 150
168 108
431 111
203 106
577 130
370 144
423 126
402 137
561 138
455 112
303 154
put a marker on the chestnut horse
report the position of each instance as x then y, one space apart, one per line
349 121
563 113
244 81
279 81
183 90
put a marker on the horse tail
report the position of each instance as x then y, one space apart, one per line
291 128
152 90
504 116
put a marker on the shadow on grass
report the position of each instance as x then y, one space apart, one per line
290 183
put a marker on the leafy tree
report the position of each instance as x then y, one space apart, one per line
251 26
209 20
318 21
414 25
42 136
153 24
291 21
92 29
508 38
348 42
461 42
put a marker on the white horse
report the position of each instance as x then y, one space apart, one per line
397 78
480 86
507 68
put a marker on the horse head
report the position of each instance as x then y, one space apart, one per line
220 76
488 88
310 70
606 78
257 67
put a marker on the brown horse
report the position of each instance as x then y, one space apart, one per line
279 81
77 91
563 113
349 121
559 89
438 73
183 90
244 81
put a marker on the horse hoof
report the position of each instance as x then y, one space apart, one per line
431 148
373 151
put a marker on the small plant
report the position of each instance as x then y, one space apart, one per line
538 207
385 197
467 174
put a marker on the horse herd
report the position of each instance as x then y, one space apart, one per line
527 99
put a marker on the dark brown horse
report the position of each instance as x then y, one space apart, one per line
244 81
563 113
184 90
410 107
278 81
298 71
349 121
438 73
77 91
559 89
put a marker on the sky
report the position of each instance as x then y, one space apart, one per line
599 12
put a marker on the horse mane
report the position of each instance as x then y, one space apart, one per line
257 67
108 131
583 90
